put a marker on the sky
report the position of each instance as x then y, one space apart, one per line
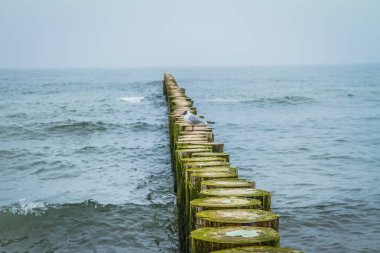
161 33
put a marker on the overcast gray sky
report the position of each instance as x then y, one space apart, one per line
112 33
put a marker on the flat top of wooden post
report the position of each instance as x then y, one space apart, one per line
237 192
237 215
203 159
225 202
235 235
209 174
258 249
229 183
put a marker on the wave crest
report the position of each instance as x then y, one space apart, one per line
285 100
25 207
132 100
81 127
38 208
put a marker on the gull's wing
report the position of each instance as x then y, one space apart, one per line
194 119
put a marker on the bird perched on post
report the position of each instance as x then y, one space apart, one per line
193 119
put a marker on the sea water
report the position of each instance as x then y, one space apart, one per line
85 164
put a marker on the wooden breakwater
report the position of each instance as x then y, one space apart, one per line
217 211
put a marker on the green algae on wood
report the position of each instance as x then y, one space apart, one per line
184 183
205 164
193 138
194 147
262 195
194 180
186 137
224 203
203 204
206 173
205 240
217 154
192 188
228 183
188 152
209 134
202 159
259 249
215 146
185 153
236 217
176 164
183 187
180 142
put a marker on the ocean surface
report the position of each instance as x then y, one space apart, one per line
85 165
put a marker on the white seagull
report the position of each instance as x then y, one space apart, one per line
193 119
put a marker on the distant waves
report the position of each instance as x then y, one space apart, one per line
286 100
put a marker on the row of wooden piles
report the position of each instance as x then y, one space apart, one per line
217 211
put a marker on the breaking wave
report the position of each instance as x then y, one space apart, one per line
132 100
80 127
284 101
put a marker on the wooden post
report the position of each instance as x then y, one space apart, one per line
258 249
216 154
235 217
204 204
209 192
262 195
228 183
205 240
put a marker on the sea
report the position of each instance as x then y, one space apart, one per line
85 164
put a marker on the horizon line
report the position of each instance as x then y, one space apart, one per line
193 66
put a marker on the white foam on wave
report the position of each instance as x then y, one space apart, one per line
132 100
24 207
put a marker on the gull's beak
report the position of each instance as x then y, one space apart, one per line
184 113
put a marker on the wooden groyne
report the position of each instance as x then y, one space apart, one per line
217 211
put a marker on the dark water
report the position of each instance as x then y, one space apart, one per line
84 161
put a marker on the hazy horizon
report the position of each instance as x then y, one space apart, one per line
162 34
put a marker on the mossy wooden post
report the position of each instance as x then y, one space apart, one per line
204 204
216 154
205 240
177 103
192 138
201 169
195 180
208 134
181 177
215 146
189 171
186 163
184 153
259 249
191 192
202 174
228 183
262 195
201 164
181 197
235 217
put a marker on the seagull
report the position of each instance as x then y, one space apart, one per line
193 119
